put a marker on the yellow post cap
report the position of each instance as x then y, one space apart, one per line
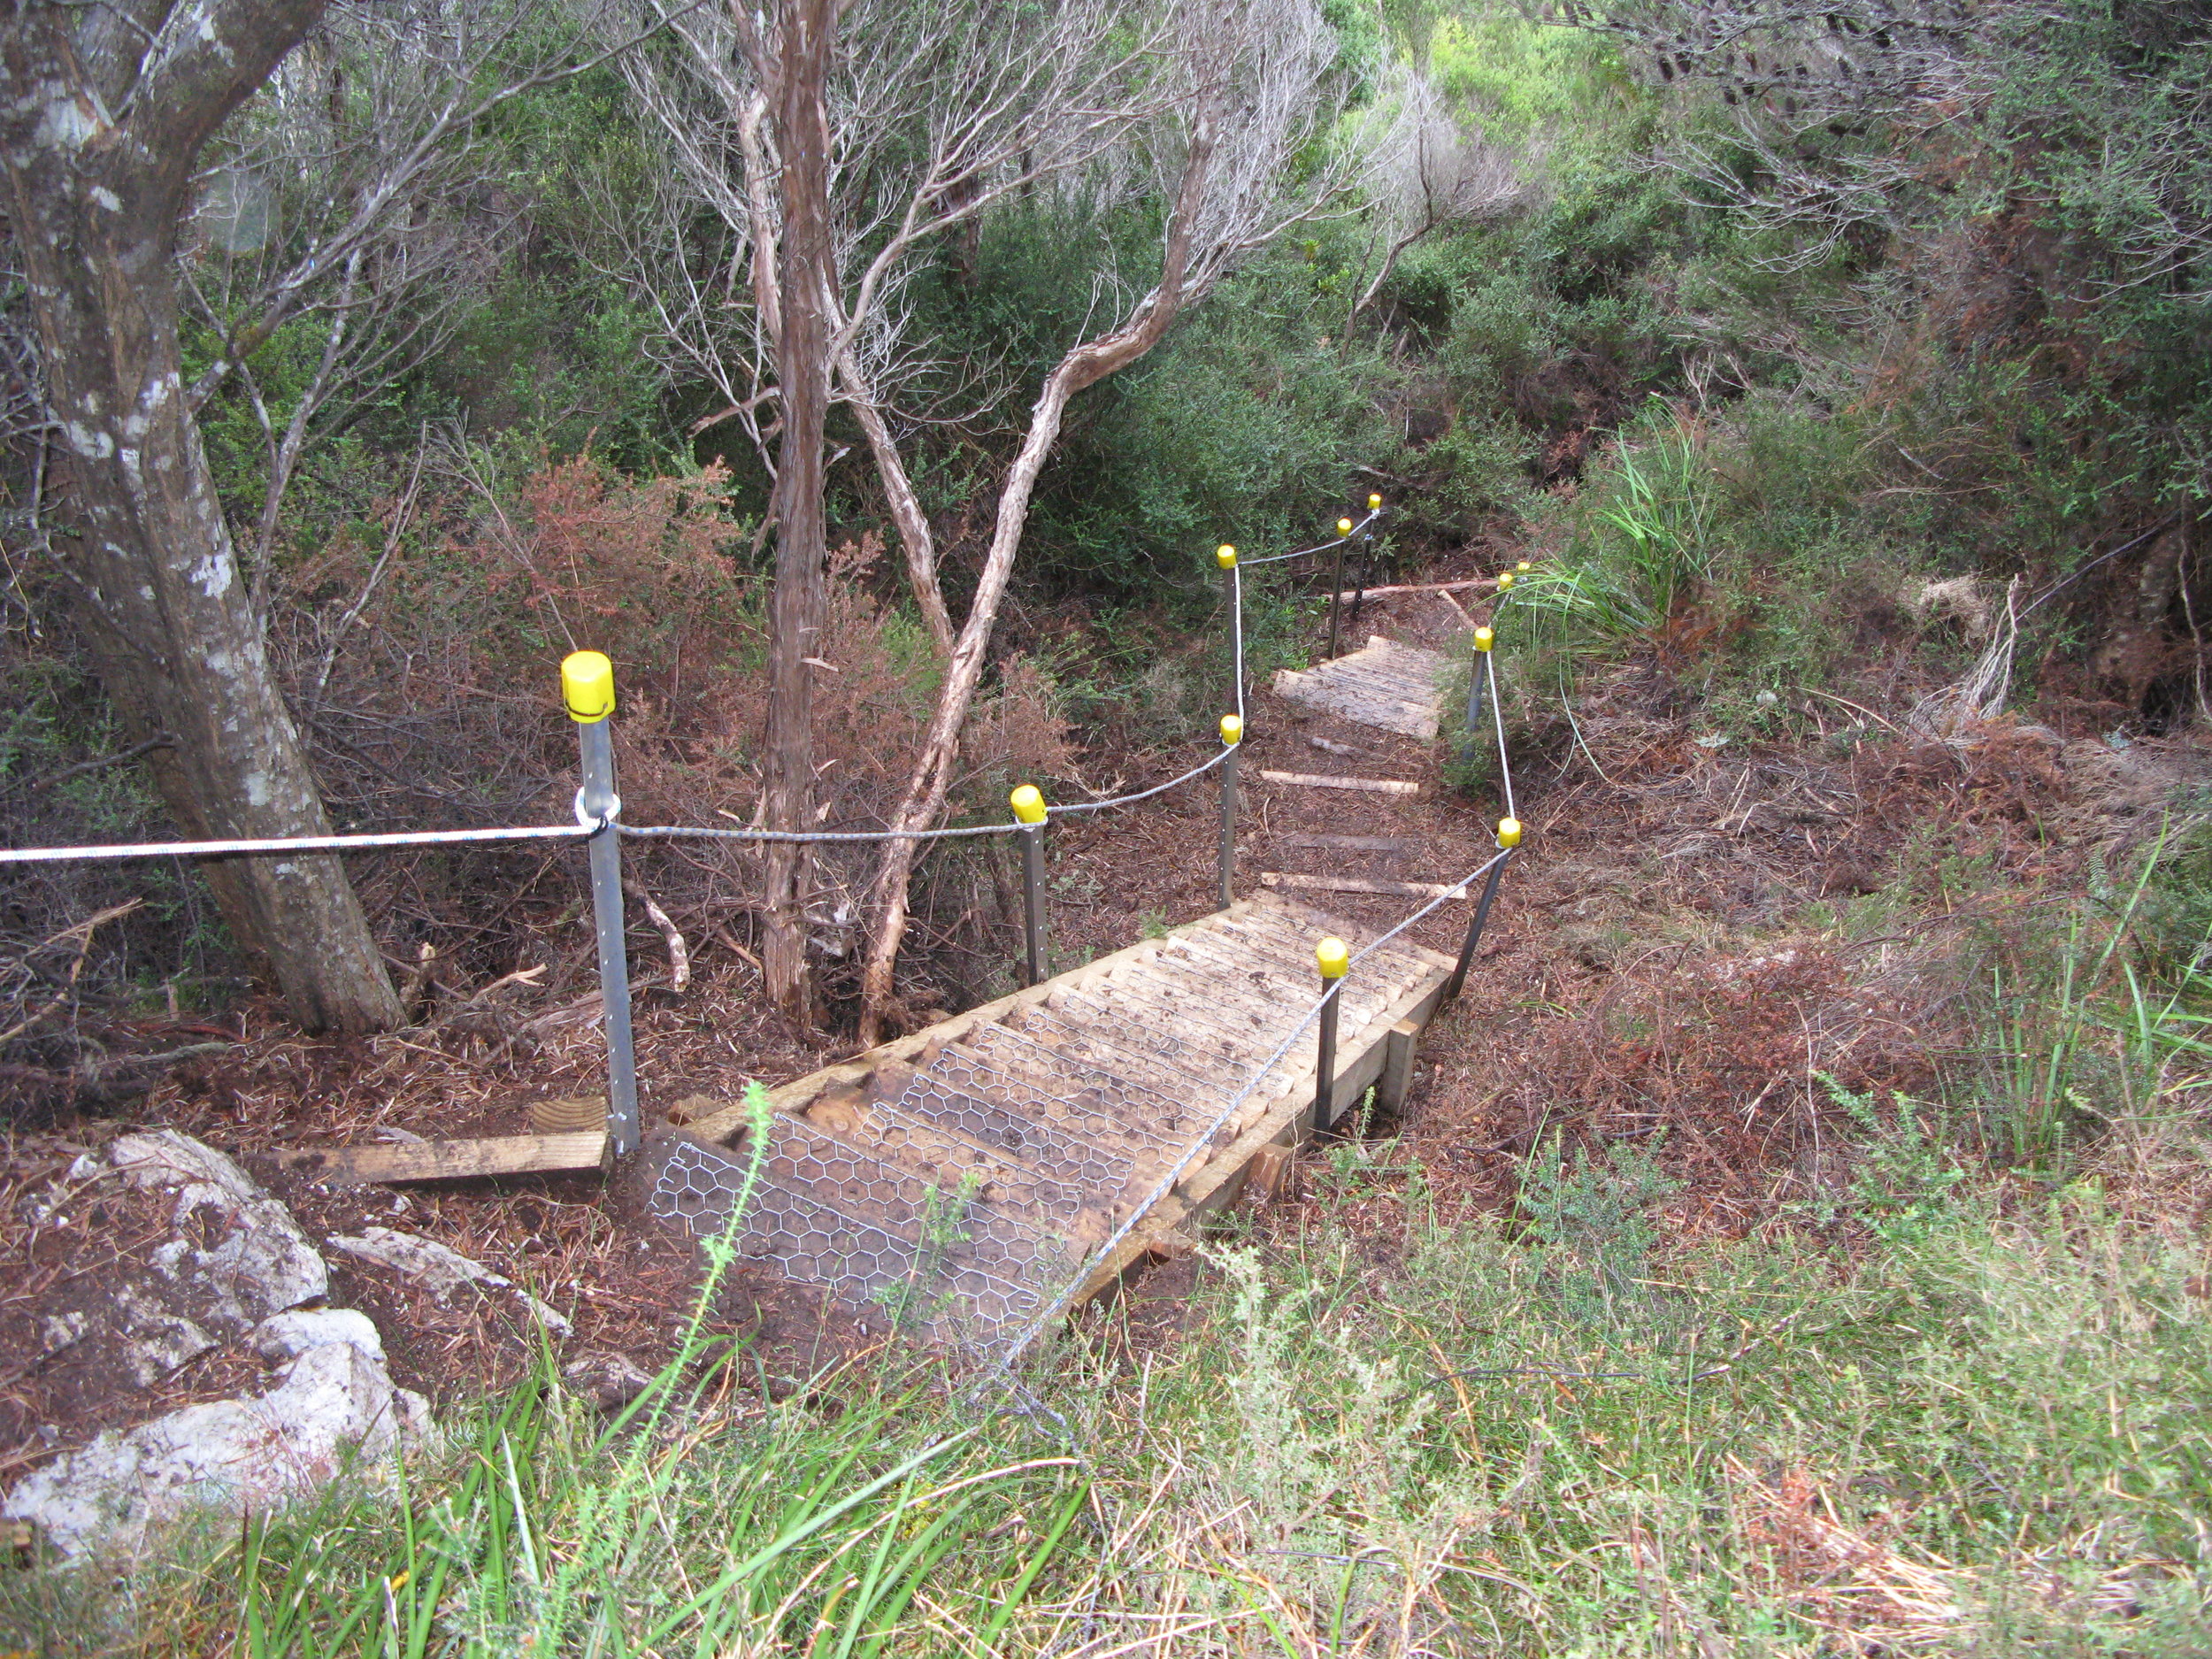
587 687
1508 832
1525 567
1485 638
1029 804
1374 503
1232 728
1225 556
1334 958
1344 526
1505 580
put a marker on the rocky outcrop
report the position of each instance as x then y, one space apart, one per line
441 1270
333 1402
236 1269
236 1258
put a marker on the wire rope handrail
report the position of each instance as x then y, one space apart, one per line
1344 540
292 844
1509 840
588 697
398 839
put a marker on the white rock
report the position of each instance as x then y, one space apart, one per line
437 1269
263 1263
167 1158
288 1335
115 1495
441 1271
155 1341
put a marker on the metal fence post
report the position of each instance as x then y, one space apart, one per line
1334 959
1509 838
1336 579
1232 736
1232 596
1029 812
588 692
1485 638
1366 570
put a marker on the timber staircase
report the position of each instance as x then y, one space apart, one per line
961 1183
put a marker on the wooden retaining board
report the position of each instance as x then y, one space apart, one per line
384 1161
1057 1112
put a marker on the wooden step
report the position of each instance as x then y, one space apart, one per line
1392 687
451 1160
1353 884
954 1183
1373 786
1348 843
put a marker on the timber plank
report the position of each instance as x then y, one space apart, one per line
1313 781
1347 843
453 1160
1353 884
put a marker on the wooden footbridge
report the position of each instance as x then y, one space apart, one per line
960 1180
969 1181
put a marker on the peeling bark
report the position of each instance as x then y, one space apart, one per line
798 77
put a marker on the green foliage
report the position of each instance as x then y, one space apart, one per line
1525 82
1237 427
1904 1185
1590 1219
1571 1478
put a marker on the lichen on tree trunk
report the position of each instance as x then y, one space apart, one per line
95 200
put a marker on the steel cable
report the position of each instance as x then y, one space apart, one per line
295 844
1166 1183
1349 535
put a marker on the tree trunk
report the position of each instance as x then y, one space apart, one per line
1085 365
173 634
800 75
915 536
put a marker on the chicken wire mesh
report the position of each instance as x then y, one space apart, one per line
960 1199
988 1182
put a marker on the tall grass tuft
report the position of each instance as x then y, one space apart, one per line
1640 549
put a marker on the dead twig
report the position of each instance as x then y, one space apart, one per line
679 953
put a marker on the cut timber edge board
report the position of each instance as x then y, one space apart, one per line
1373 786
1356 883
451 1160
1347 843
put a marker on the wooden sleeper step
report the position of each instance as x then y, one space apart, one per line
1373 786
1353 884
